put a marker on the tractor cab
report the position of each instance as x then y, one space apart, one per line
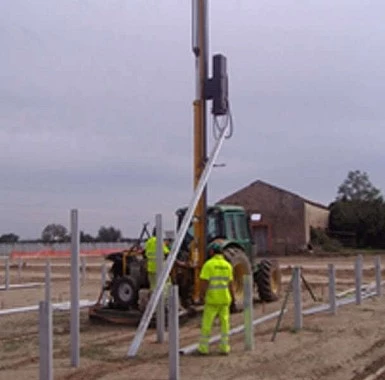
228 223
229 226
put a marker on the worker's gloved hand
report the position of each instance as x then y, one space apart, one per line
233 308
183 264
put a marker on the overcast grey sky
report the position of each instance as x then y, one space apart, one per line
96 104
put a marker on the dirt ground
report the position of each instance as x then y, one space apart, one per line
348 346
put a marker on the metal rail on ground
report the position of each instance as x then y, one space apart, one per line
236 330
27 285
61 306
341 302
365 290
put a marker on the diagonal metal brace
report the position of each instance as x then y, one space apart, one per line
155 296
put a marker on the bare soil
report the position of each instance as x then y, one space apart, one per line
348 346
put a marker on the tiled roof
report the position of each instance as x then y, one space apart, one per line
276 188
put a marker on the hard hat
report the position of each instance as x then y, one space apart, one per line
216 248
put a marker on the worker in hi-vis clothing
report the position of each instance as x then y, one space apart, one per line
150 251
217 289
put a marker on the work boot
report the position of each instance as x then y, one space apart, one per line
224 349
203 349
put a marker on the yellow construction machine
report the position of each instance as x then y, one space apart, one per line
226 224
128 290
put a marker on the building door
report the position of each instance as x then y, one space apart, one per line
260 236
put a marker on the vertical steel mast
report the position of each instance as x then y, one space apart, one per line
217 91
200 49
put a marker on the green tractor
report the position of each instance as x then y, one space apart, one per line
128 287
230 227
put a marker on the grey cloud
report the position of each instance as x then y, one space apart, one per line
96 104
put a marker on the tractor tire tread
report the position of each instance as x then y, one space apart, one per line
237 256
263 279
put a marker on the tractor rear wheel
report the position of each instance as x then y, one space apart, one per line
241 266
268 280
125 291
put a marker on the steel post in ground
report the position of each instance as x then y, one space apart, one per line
84 269
104 277
173 333
283 308
377 266
45 341
358 275
48 281
248 312
75 290
160 316
297 297
7 281
19 267
332 289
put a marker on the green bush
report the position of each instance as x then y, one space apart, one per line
320 238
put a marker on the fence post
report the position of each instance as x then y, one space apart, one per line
104 276
332 289
173 333
19 267
7 273
45 341
160 317
297 295
84 269
248 312
75 310
377 265
358 273
48 281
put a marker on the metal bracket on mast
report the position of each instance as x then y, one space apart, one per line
154 299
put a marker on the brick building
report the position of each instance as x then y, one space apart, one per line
281 220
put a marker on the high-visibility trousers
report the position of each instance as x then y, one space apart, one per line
152 280
210 312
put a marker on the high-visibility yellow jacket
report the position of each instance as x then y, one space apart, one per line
219 273
150 248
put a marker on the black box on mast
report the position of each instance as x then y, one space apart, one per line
217 87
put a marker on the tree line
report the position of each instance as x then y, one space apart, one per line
57 233
357 218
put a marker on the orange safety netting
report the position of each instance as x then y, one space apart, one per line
64 253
